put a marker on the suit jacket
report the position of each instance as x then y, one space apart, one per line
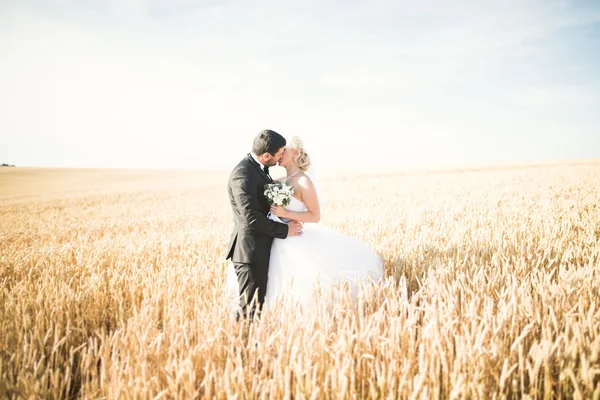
253 232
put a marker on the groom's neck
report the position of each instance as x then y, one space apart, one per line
259 159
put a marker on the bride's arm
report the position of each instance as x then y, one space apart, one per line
310 200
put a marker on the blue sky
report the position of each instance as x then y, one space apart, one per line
187 84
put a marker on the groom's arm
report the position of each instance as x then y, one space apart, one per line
242 190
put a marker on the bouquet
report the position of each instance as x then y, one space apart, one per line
279 193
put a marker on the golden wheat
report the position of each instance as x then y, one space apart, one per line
111 286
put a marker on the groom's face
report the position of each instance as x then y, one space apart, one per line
272 160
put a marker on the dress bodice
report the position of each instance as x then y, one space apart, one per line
295 205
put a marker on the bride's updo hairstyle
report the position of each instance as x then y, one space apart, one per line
301 160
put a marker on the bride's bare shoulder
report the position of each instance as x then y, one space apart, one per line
305 181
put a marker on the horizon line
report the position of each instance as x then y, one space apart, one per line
374 167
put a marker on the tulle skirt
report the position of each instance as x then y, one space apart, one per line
304 267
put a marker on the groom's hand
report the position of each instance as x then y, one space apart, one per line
294 228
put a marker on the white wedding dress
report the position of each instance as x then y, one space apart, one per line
317 260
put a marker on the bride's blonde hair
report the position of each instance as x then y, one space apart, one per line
301 160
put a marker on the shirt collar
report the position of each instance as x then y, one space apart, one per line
259 163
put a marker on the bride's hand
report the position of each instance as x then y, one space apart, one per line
277 210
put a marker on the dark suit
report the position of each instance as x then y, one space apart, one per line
253 233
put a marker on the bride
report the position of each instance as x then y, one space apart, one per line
318 259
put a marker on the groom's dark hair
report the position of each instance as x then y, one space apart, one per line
268 141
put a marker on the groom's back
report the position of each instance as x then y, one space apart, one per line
240 171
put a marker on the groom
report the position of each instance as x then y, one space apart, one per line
253 233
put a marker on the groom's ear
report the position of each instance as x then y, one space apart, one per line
267 157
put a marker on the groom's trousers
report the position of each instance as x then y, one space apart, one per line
252 281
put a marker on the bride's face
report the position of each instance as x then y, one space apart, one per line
288 156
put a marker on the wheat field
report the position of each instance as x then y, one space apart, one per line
111 286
